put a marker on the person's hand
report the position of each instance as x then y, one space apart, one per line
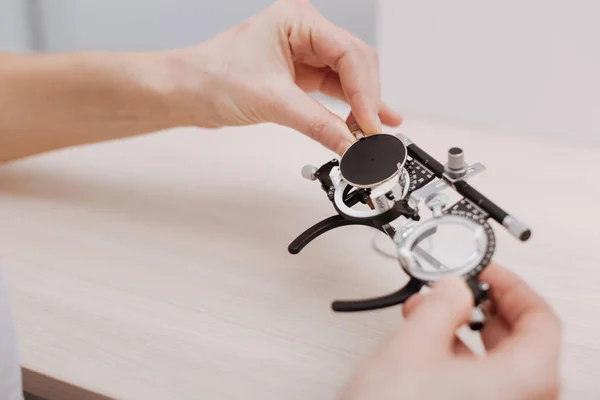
425 360
261 71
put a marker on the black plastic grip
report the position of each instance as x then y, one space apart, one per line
424 158
322 227
470 193
413 286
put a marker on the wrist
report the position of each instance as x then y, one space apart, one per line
192 84
159 89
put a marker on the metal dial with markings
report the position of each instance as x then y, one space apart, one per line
465 209
372 171
419 175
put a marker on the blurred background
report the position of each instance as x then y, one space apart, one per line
524 67
147 24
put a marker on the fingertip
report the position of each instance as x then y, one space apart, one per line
374 125
499 277
366 114
390 117
370 125
441 312
450 280
454 288
491 269
411 304
450 300
394 122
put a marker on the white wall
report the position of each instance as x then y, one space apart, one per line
14 28
520 66
161 24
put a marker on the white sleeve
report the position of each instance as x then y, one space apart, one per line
10 370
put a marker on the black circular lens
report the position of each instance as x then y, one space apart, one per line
372 160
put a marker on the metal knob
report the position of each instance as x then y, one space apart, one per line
456 158
517 228
456 166
309 171
436 203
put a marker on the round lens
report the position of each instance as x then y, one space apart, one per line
452 246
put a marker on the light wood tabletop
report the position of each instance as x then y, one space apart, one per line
157 267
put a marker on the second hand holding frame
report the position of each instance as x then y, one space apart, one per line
392 175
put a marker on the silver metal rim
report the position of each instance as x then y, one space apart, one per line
339 201
407 241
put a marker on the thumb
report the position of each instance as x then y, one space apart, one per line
301 112
435 318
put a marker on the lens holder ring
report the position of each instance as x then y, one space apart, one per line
408 238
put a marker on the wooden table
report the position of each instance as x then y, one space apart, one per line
157 267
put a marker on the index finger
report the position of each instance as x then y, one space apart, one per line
432 325
530 318
359 76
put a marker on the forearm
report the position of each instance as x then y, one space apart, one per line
49 102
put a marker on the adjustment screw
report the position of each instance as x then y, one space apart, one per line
309 171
